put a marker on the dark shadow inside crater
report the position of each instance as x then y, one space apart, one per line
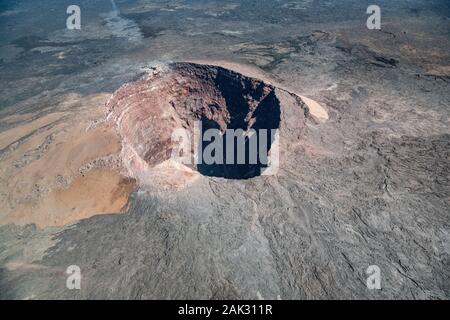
261 121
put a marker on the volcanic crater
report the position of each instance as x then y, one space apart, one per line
178 95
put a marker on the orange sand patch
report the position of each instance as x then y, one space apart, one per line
98 192
63 166
10 136
66 155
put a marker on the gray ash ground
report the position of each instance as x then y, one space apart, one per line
371 186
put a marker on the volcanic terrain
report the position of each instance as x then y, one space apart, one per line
87 175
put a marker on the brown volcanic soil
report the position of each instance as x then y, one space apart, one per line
99 191
62 167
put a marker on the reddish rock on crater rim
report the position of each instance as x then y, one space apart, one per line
173 96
